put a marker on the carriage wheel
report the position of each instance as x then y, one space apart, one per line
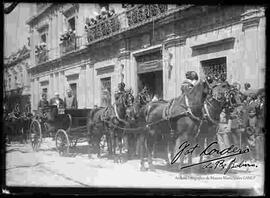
62 142
35 135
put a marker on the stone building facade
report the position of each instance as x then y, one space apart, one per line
16 85
152 45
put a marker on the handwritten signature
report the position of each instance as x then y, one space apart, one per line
186 149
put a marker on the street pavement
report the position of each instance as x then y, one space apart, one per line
46 168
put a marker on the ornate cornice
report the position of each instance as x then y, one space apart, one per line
251 18
174 40
124 54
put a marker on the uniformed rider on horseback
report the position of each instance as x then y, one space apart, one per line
189 82
120 92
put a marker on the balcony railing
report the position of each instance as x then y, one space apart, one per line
103 28
135 16
142 13
42 56
74 43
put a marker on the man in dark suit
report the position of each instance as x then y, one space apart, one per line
43 103
70 101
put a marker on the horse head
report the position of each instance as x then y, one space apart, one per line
123 103
199 92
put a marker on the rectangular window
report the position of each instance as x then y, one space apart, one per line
71 23
43 38
73 87
215 68
105 91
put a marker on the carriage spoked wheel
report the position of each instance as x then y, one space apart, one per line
35 135
62 142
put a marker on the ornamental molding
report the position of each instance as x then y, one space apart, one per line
124 54
173 40
251 18
70 10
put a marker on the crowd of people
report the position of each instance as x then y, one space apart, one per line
67 35
104 14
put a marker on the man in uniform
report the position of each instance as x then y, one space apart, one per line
120 91
70 101
43 103
191 79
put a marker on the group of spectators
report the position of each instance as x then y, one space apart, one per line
104 14
67 35
244 127
40 48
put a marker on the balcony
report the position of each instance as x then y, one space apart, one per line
74 43
143 13
133 17
42 56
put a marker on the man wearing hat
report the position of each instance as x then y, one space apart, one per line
120 91
70 101
43 103
56 100
191 79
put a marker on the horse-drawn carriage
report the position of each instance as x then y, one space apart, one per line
66 126
46 123
189 117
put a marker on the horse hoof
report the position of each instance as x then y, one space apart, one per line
143 168
151 168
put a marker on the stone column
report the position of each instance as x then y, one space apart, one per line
124 69
172 65
82 88
51 87
252 62
90 84
36 42
32 87
50 38
56 88
32 48
36 93
61 89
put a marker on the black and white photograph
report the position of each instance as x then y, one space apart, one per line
134 96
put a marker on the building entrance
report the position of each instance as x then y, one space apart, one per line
153 81
149 67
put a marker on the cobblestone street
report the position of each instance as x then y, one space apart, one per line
47 169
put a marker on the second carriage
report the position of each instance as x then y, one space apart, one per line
66 126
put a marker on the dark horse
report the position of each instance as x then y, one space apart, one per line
17 124
136 118
223 96
109 121
175 120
